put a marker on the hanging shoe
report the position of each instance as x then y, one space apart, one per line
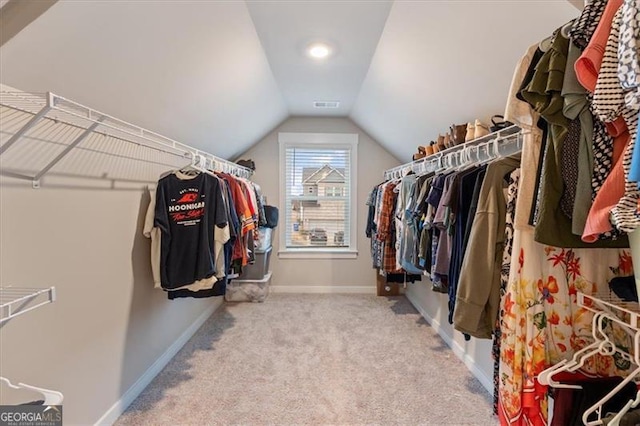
471 132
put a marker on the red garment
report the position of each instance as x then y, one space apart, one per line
384 228
531 414
588 64
244 216
608 196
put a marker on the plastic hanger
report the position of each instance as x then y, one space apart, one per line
633 403
545 377
545 44
198 165
604 347
597 407
51 397
566 28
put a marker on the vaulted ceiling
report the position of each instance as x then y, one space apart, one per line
220 75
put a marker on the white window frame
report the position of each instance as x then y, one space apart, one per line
333 191
327 141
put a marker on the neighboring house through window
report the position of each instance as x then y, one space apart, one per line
318 187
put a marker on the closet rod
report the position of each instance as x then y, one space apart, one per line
48 106
443 159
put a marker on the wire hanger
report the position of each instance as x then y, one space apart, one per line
51 397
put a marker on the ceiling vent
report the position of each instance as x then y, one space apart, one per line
326 104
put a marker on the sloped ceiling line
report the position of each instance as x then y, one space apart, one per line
437 63
221 75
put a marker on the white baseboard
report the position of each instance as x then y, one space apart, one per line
458 350
136 389
323 289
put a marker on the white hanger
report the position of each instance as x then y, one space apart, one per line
51 397
597 407
604 347
633 403
196 164
566 28
545 377
466 161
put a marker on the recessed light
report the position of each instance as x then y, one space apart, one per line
319 50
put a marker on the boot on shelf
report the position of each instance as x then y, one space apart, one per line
458 133
429 149
448 143
471 132
481 129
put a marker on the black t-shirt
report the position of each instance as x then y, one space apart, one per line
187 209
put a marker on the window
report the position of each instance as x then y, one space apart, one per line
316 184
334 191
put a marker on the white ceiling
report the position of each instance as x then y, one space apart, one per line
220 75
193 71
351 28
440 63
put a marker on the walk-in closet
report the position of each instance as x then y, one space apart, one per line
319 212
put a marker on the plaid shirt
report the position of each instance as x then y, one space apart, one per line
386 232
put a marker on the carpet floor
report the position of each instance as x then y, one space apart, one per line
314 359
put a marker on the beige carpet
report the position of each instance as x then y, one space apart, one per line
314 359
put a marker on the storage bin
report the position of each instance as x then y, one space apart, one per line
248 290
258 269
263 242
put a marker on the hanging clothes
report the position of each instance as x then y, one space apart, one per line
462 212
478 296
540 321
193 202
187 208
512 195
580 140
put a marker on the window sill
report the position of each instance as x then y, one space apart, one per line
317 254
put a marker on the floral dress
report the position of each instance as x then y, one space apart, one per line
542 323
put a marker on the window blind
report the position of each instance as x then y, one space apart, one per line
317 197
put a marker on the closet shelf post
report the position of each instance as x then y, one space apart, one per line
67 150
34 120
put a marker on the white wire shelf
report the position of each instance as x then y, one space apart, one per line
624 313
502 143
47 134
15 301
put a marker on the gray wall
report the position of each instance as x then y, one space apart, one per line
109 324
475 353
323 274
